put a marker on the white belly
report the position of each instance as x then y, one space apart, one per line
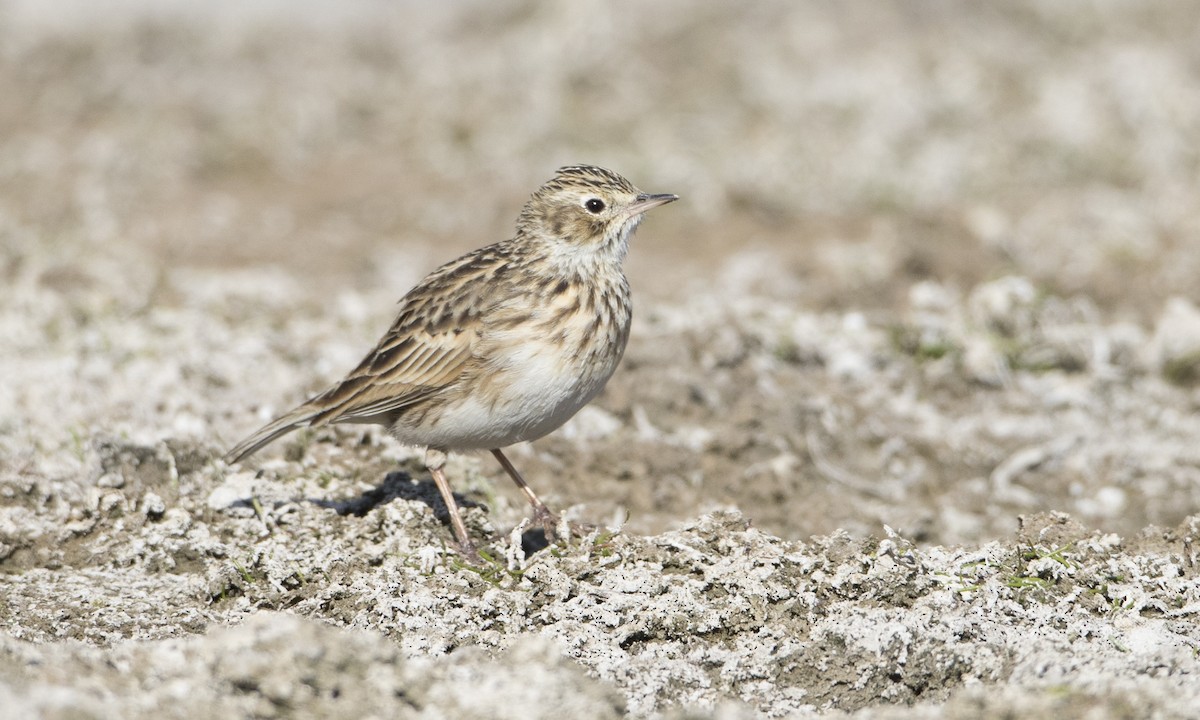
530 393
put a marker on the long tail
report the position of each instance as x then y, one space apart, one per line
300 417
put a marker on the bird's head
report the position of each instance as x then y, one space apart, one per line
587 209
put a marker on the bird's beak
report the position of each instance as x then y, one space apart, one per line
644 202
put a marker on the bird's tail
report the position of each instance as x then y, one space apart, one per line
298 418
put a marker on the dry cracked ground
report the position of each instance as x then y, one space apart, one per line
908 427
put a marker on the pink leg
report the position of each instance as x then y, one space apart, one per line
435 460
541 514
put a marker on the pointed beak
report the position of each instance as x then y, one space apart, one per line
644 202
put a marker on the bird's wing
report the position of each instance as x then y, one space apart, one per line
408 368
429 346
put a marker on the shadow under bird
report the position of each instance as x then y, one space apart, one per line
502 345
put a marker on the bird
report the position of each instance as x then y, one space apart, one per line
502 345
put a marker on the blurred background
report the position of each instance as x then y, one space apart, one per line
860 145
284 166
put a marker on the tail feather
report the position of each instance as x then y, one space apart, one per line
298 418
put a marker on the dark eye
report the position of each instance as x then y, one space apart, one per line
594 205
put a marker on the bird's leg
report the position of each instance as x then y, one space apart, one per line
435 461
541 514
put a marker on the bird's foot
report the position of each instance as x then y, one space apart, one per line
549 522
556 528
468 552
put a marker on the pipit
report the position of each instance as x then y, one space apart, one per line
502 345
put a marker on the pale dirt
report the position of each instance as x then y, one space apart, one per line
907 426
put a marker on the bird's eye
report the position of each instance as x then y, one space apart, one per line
594 205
